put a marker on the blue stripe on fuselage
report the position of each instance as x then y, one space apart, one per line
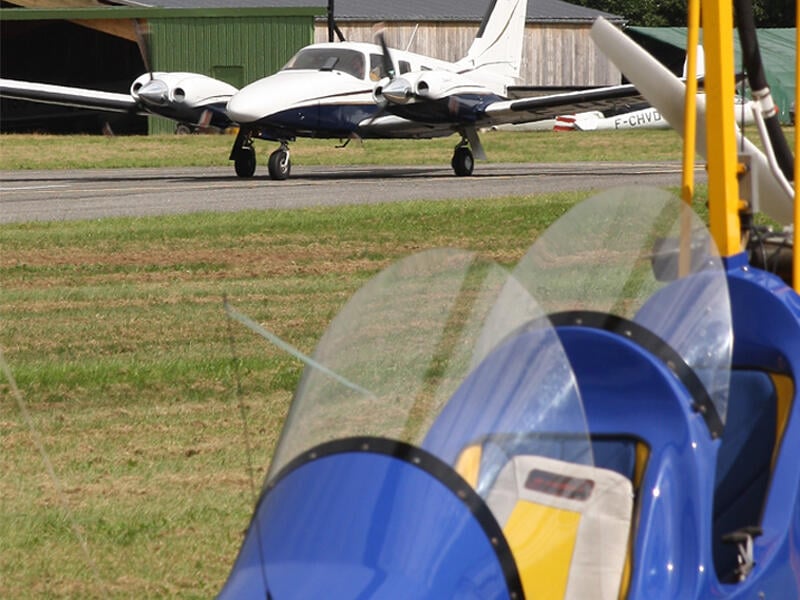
334 120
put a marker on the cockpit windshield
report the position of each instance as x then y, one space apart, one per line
329 59
431 353
619 254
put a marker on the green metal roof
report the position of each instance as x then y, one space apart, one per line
124 12
777 52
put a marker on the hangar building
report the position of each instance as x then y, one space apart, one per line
92 43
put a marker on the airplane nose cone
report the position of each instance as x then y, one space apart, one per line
244 107
397 91
154 92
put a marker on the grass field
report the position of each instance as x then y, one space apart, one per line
59 152
115 333
80 152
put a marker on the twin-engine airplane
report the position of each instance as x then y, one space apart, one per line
347 90
351 90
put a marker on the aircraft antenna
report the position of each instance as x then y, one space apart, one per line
413 36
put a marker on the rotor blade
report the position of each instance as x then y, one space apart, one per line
666 92
143 41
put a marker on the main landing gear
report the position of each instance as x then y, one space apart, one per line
244 163
243 156
463 159
463 162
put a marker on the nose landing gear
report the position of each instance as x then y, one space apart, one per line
280 163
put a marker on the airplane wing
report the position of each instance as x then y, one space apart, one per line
552 105
69 96
389 126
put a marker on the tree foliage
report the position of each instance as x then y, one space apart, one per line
672 13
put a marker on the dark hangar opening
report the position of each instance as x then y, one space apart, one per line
64 53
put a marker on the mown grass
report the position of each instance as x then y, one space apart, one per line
115 333
78 152
84 151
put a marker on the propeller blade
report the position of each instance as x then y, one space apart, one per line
666 92
143 42
388 65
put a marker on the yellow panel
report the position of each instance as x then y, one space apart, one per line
784 390
542 540
469 464
642 455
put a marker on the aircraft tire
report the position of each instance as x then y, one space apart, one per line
280 164
245 162
463 162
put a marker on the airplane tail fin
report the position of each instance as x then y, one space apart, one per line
496 51
700 62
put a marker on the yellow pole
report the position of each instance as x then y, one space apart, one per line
689 135
690 102
723 185
796 253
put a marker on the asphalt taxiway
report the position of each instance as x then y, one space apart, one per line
98 193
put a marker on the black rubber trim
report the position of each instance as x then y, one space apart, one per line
648 340
435 467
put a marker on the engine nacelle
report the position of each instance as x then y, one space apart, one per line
188 89
432 85
377 92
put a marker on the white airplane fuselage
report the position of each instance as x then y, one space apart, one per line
335 90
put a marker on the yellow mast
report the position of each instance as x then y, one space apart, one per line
796 261
689 136
723 185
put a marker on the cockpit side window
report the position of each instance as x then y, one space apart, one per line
405 66
376 70
327 59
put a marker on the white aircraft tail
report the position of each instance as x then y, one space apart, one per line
700 62
496 53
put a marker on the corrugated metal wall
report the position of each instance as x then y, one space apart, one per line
236 49
553 55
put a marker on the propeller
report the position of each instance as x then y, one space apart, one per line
386 57
154 92
333 28
388 68
143 42
666 92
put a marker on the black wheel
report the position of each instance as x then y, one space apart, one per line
280 165
245 162
463 162
183 129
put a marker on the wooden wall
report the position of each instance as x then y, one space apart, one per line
553 55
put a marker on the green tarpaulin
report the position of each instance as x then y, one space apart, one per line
777 53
